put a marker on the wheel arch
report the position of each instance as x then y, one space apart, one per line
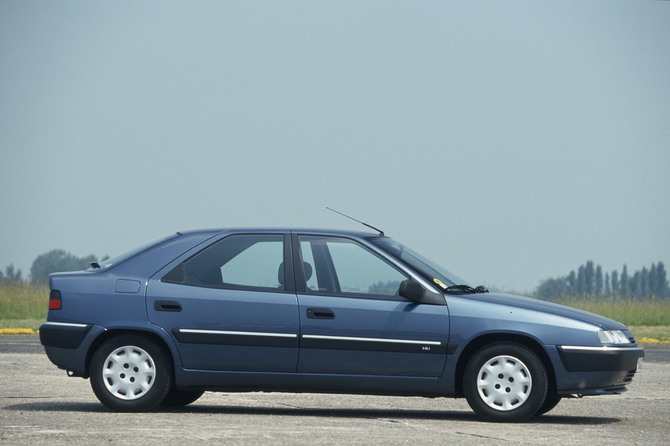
489 338
115 332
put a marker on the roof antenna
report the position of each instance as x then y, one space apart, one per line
358 221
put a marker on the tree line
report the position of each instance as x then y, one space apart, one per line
590 281
54 261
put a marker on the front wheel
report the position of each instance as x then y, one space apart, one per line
505 381
180 398
130 374
551 402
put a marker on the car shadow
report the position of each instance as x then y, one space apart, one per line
387 414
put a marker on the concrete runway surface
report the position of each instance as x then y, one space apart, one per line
39 404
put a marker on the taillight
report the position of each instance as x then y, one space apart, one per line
54 300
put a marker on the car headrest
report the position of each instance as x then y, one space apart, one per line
306 267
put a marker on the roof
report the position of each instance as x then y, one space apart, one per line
334 232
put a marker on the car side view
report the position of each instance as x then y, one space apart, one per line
321 311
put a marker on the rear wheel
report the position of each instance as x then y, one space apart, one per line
505 381
130 374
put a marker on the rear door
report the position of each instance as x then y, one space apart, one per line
352 319
230 306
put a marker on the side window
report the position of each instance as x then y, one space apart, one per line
342 266
246 261
308 266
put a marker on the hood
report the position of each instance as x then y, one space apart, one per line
528 303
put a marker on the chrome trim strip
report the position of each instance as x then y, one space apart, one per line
394 341
604 348
66 324
238 333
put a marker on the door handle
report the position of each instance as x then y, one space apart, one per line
167 305
320 313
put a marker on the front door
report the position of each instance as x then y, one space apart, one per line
353 321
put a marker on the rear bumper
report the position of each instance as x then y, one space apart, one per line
67 344
62 334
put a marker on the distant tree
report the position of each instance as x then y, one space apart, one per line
581 281
644 282
634 287
551 289
608 289
615 282
57 260
572 282
598 289
625 286
10 275
589 277
661 281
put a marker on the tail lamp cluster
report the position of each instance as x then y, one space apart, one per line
55 302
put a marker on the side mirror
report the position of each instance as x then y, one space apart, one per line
411 290
414 291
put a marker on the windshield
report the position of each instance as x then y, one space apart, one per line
427 269
125 256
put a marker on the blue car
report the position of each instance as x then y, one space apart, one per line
292 310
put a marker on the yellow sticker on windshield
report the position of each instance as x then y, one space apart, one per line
439 282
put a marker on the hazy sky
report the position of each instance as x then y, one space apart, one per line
508 141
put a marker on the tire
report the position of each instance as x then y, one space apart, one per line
549 403
130 374
505 381
181 398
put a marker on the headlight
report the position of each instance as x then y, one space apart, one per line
613 337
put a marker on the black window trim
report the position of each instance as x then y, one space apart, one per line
301 284
289 280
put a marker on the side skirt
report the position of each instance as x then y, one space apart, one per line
306 383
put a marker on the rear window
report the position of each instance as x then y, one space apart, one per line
104 264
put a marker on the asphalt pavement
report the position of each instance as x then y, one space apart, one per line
39 404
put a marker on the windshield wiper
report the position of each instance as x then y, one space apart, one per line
462 289
459 289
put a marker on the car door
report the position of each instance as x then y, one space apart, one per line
352 320
229 307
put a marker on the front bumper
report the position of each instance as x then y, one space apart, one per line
599 359
596 370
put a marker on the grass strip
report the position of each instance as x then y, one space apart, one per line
23 306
